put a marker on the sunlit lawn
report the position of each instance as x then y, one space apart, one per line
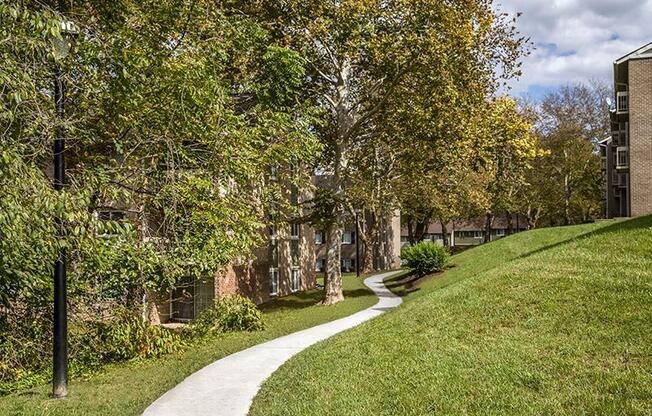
548 322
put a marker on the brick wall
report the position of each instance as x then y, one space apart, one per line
640 125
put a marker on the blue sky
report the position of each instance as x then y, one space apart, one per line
576 40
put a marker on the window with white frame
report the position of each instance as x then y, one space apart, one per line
319 237
622 102
622 157
296 279
500 232
348 237
273 281
295 229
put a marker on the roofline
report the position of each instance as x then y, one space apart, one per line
632 55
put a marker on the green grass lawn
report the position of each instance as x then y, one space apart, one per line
128 388
552 321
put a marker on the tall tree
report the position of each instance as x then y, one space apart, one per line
360 53
570 122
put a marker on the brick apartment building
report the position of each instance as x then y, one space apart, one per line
287 262
468 232
385 256
627 154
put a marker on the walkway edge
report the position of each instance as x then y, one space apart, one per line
228 386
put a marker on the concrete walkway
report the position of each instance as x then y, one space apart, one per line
228 386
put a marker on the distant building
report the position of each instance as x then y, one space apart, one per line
467 233
627 154
385 256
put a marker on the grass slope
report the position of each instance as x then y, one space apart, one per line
555 321
128 388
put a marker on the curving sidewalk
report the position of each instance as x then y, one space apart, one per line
228 386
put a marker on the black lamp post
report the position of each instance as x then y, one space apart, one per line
60 329
357 245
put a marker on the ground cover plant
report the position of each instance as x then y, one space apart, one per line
552 321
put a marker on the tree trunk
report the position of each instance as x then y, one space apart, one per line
372 244
410 230
444 233
567 198
333 283
510 225
487 227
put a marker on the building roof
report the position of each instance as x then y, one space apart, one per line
640 53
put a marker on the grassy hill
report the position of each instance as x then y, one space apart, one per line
552 321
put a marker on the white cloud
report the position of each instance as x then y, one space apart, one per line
577 40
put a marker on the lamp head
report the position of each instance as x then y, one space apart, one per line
63 44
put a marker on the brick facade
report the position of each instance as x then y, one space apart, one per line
640 116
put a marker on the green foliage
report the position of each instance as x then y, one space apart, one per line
230 313
128 336
92 343
174 113
425 257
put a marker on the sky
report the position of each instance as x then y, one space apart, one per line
576 40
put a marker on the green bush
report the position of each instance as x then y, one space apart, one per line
426 257
27 355
230 313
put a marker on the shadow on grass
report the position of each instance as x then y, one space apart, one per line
307 299
618 226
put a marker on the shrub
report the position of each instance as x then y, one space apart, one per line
26 348
230 313
426 257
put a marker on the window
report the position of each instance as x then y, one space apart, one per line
295 229
617 138
319 265
500 232
348 237
111 215
347 265
108 215
296 279
319 237
470 234
622 157
273 281
622 102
